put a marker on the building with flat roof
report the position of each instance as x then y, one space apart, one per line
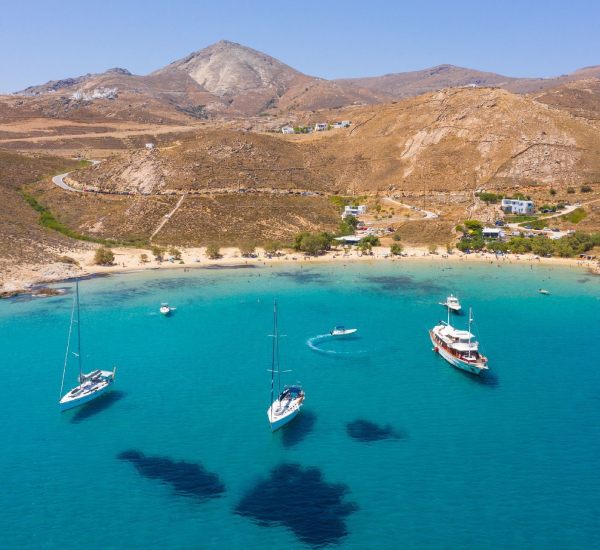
518 206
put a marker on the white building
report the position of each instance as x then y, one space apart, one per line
354 210
516 206
287 130
492 233
320 126
149 146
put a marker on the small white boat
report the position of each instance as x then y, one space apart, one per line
166 309
342 331
452 303
544 291
287 405
91 385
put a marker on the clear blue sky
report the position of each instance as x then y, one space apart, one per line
44 40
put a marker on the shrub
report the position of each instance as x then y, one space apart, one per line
396 249
67 260
158 253
586 188
489 198
370 239
570 190
104 256
144 258
247 250
552 191
213 252
449 248
396 236
175 253
433 249
272 247
312 243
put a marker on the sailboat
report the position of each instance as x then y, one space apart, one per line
92 384
288 402
458 347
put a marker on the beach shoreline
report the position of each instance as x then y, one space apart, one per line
28 279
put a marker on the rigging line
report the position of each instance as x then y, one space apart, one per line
62 384
78 333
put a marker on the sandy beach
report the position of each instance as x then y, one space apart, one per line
23 278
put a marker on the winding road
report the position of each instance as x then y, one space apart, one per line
60 180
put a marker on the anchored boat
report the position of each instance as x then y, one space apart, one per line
288 402
458 347
452 303
92 384
166 309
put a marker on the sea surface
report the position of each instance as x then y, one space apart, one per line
394 448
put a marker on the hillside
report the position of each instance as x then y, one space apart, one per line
22 239
434 151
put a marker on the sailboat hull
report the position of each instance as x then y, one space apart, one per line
87 393
282 421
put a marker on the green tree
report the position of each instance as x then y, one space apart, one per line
158 253
213 252
474 226
247 250
348 226
104 256
272 247
312 243
175 253
373 240
542 245
396 249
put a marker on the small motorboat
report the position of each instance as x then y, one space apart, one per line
452 303
342 331
166 309
544 291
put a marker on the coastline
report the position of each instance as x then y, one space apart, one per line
31 279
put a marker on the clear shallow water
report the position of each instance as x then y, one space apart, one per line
181 455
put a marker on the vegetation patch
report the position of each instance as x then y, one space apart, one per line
48 220
576 216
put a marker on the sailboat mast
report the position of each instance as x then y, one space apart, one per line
277 357
470 335
78 332
273 350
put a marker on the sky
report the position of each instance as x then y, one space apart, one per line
47 40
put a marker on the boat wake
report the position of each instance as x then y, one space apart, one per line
315 342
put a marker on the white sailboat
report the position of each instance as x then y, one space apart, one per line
92 384
288 402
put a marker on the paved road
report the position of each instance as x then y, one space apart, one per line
60 180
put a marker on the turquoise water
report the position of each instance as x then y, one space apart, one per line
510 461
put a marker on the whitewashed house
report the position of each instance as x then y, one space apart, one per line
517 206
354 210
287 130
493 233
149 146
320 126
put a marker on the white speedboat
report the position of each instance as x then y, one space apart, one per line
544 291
166 309
458 347
91 385
452 303
342 331
287 405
